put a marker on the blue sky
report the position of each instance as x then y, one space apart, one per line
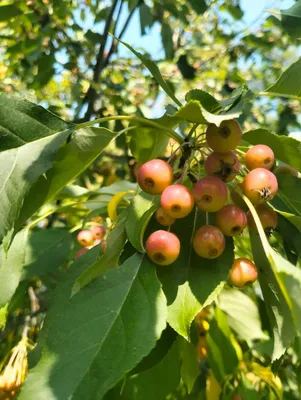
151 42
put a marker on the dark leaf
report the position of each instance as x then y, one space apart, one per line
99 334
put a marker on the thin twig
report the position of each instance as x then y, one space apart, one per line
91 93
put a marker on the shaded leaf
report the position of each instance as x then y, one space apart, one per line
163 345
8 12
190 369
199 6
94 333
46 250
157 382
167 40
289 193
11 266
146 17
22 122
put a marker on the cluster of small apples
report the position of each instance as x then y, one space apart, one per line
89 238
210 194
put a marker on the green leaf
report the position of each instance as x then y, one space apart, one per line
22 122
104 195
167 40
94 37
85 146
157 354
235 303
140 212
274 292
222 355
291 235
286 149
193 111
190 369
192 282
115 245
159 381
8 12
45 70
289 193
11 266
154 70
147 143
235 11
46 250
21 167
206 100
275 298
98 335
3 316
289 82
291 278
291 19
146 18
199 6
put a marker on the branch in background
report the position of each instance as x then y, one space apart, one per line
122 32
105 60
91 93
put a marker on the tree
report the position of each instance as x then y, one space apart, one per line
115 292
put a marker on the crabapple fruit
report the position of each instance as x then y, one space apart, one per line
243 273
210 193
101 242
268 218
259 156
85 238
209 242
260 185
223 165
177 201
80 252
162 247
225 137
154 176
163 218
231 220
98 231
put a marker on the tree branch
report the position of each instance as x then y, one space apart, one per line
91 93
115 42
